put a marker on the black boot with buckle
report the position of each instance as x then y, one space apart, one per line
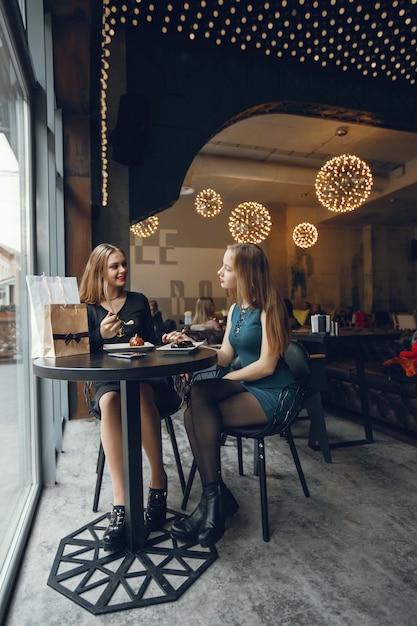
156 510
115 536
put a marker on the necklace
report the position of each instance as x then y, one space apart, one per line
120 332
115 298
241 320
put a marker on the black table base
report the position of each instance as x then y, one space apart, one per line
104 582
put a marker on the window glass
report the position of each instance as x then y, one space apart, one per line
17 458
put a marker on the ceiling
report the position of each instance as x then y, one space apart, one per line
275 158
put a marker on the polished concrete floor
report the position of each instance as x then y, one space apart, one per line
346 556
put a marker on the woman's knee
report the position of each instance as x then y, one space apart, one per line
200 391
110 400
214 391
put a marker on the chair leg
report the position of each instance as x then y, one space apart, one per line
255 458
100 468
239 455
189 485
290 439
263 490
171 432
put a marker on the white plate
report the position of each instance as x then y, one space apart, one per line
168 349
122 347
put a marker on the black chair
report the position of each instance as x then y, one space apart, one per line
289 405
101 456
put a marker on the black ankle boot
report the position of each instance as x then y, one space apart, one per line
156 510
114 538
187 527
212 527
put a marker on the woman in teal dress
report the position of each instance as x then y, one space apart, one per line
258 333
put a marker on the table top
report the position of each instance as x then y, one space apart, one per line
100 366
353 334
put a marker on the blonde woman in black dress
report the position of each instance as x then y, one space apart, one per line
114 316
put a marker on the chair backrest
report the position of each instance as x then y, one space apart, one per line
290 400
169 326
88 395
292 396
298 361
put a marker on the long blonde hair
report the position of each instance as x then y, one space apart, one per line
203 310
255 286
93 285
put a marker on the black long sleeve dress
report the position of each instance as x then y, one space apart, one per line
135 308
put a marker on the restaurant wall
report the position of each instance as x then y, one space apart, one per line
179 262
368 268
394 270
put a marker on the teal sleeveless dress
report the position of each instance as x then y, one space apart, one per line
246 338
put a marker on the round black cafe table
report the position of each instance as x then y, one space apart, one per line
149 570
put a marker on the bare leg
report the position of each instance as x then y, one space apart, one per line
111 438
151 436
215 403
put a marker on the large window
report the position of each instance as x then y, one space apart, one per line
19 480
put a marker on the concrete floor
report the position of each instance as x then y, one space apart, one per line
346 556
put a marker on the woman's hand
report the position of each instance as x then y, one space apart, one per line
110 325
174 337
213 323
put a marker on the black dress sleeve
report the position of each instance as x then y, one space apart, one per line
95 314
135 308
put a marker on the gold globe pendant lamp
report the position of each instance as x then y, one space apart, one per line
343 183
250 222
208 203
145 228
305 235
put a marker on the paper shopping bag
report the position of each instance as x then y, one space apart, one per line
66 330
45 290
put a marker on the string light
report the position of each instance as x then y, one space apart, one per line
331 39
107 34
250 222
145 228
305 235
343 183
208 203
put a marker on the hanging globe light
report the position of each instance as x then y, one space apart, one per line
250 222
343 183
208 203
305 235
145 228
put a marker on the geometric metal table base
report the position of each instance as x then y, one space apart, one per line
104 582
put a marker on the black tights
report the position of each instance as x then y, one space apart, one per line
213 405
